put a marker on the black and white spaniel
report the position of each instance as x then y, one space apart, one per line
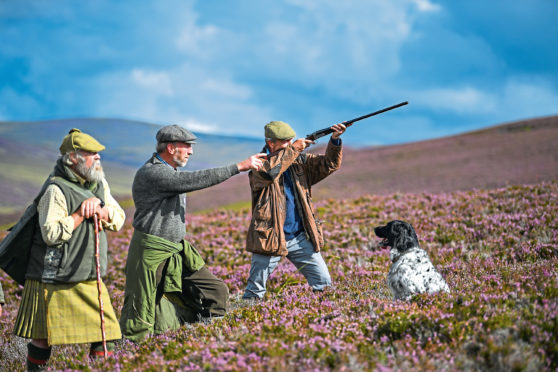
411 271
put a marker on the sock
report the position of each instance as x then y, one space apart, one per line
36 357
97 349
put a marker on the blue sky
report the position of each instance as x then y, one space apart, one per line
231 66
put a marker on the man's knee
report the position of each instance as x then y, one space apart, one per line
222 291
319 279
323 281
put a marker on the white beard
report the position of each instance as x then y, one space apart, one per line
92 174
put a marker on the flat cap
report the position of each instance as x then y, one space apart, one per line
175 133
77 140
279 130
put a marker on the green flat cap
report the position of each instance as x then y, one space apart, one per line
279 130
77 140
175 133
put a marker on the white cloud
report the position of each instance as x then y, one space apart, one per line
460 100
192 38
426 6
205 101
515 98
524 97
226 88
197 126
158 81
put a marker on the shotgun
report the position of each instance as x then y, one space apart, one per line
324 132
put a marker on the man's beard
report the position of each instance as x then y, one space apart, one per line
92 174
180 162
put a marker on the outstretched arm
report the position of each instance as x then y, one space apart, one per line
254 162
169 182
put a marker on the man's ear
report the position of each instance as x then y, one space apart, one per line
171 148
73 158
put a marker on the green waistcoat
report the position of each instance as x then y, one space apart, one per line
74 260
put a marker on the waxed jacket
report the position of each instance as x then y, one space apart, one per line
265 233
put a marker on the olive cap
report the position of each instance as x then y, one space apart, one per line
77 140
279 130
175 133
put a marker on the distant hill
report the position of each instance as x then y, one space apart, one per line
128 142
29 150
522 152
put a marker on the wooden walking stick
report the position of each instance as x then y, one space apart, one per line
98 264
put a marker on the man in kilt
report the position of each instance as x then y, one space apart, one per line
60 299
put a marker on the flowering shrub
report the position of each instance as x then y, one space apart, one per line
497 249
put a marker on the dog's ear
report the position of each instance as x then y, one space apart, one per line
405 236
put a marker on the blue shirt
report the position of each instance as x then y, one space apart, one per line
293 223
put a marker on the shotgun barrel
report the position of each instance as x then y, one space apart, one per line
324 132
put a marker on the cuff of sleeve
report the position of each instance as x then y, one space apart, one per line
234 169
336 141
108 224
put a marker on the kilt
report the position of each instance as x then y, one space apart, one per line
65 313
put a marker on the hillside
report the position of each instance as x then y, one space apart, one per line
29 150
128 142
514 153
521 152
496 248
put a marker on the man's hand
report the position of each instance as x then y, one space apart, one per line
302 143
254 162
89 207
92 206
338 129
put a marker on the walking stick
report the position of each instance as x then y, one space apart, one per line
98 264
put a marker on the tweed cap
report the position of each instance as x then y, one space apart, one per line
175 133
279 130
77 140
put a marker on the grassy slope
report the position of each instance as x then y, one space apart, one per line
497 249
516 153
28 151
24 168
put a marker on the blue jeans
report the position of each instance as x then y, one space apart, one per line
301 254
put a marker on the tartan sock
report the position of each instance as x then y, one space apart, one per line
37 357
97 349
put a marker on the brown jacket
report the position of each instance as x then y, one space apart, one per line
265 234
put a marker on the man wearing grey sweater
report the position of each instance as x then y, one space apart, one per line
167 282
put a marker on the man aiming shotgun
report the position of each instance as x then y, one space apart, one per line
283 219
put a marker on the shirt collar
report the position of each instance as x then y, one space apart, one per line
163 161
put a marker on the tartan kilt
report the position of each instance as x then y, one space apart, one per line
65 313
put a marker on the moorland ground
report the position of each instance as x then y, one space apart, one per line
497 248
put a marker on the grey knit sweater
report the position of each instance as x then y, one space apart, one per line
159 195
